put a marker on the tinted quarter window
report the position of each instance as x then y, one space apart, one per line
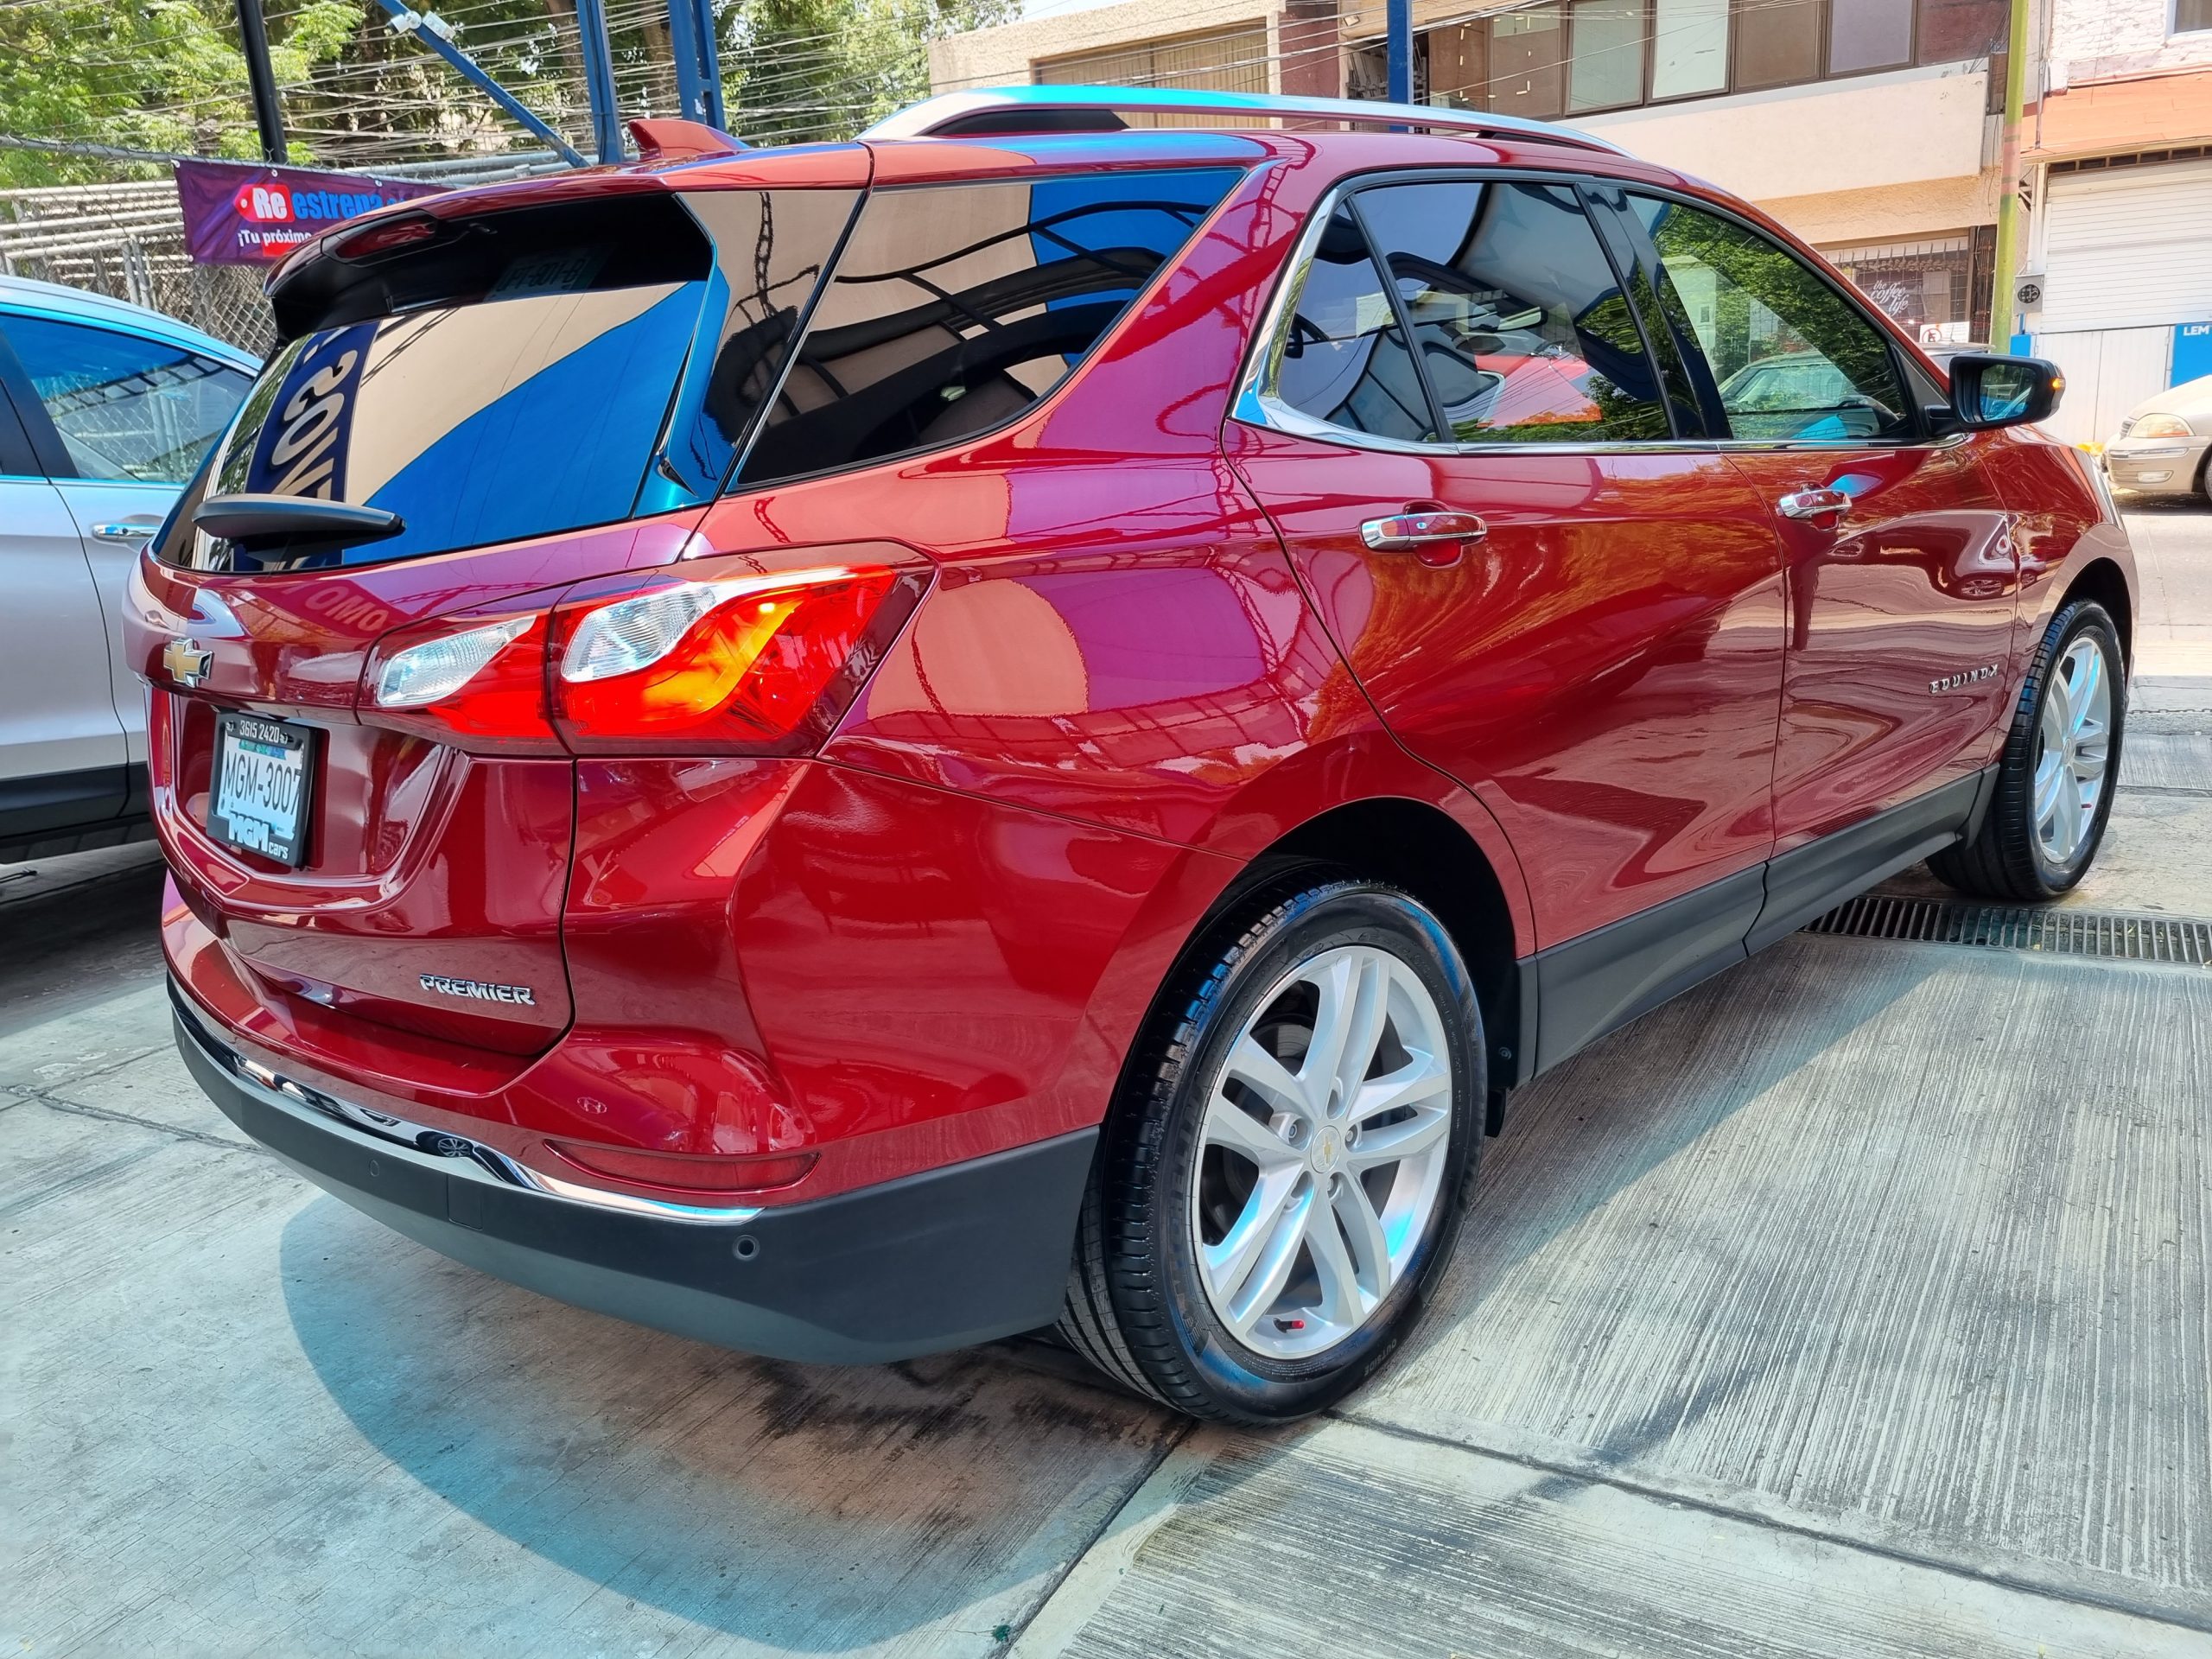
126 406
1519 320
955 308
1790 358
1342 359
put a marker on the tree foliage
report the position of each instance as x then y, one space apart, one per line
169 75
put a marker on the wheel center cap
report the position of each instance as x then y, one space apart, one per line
1328 1147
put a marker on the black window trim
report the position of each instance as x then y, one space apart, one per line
48 453
734 482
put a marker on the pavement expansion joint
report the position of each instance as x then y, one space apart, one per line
1591 1473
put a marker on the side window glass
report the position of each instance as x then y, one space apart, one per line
1343 360
126 406
953 308
1791 359
1520 322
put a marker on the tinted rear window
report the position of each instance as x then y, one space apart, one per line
531 371
955 308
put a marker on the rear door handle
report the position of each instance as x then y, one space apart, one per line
126 531
1816 505
1404 532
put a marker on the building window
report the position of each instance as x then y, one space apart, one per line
1869 34
1223 60
1527 54
2191 14
1690 47
1607 68
1582 56
1949 30
1777 45
1925 285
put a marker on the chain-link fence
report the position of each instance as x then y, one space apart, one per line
126 240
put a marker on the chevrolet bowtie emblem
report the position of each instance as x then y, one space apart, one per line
187 660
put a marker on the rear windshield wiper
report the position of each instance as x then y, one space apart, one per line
260 520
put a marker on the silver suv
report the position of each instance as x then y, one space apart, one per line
106 411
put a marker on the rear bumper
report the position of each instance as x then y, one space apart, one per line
941 1259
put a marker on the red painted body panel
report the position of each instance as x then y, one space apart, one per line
1916 586
1145 655
2060 526
1604 669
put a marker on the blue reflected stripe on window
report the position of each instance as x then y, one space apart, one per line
695 454
1056 205
564 449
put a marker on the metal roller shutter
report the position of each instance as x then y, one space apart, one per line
2128 247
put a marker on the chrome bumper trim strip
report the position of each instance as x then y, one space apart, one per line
456 1153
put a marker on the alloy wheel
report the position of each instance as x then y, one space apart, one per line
1322 1152
2073 751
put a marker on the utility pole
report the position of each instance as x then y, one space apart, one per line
268 113
2003 324
1400 47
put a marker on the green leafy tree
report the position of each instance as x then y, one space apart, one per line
800 70
143 74
169 75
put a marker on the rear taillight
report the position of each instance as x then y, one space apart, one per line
718 661
477 682
742 660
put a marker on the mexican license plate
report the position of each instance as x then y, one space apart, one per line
264 781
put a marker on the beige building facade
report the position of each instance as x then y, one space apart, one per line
1866 126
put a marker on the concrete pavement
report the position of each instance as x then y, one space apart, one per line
1854 1304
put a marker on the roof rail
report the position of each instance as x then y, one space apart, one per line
1005 110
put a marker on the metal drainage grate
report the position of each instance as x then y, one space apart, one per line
2015 927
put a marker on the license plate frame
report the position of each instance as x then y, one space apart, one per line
246 801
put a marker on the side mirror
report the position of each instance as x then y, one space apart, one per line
1994 392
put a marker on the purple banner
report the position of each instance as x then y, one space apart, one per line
237 214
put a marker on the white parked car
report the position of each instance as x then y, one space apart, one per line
106 411
2165 442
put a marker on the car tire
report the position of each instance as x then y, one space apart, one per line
1257 1238
2036 841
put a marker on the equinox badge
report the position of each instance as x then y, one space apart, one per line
1953 682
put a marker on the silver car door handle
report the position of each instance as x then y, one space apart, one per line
1410 529
1831 505
124 531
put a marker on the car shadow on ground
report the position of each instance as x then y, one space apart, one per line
823 1509
804 1507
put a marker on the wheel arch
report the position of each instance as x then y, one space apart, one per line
2103 581
1424 849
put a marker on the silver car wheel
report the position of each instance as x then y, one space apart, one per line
2073 750
1322 1152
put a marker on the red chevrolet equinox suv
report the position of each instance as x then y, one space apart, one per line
852 749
